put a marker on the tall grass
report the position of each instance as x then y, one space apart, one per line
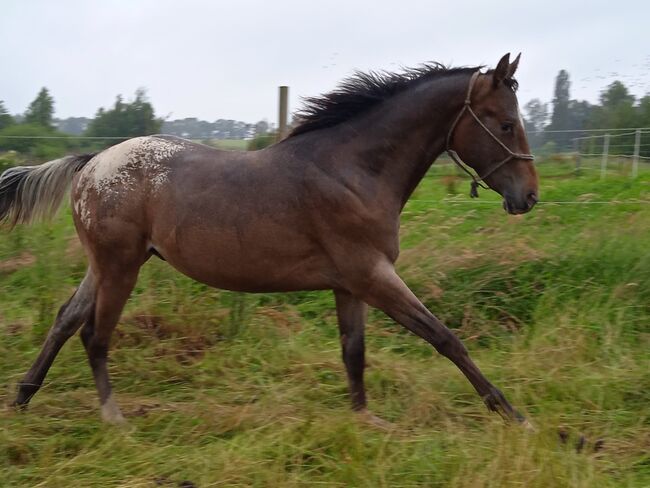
225 389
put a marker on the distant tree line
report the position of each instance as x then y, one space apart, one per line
546 123
38 135
193 128
617 109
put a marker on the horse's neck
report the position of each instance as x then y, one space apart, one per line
403 137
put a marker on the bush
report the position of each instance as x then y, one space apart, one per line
8 160
260 142
546 150
30 140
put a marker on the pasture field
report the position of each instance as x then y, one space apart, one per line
225 389
230 144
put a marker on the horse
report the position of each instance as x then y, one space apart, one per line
319 210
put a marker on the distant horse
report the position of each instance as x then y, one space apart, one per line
318 210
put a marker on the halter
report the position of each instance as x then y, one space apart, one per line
476 182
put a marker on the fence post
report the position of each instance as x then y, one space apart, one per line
283 112
603 163
576 149
635 160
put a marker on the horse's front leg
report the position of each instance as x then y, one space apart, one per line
351 313
390 294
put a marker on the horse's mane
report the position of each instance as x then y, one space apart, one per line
362 91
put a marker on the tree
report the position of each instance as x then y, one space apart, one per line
72 125
579 114
535 120
136 118
643 112
643 120
560 119
5 119
537 114
617 111
618 104
616 95
41 110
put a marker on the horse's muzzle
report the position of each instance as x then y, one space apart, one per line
514 207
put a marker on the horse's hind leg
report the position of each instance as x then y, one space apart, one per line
113 290
70 317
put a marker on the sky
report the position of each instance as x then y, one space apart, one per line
216 59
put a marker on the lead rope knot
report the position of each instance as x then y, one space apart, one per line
473 192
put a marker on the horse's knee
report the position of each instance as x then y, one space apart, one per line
68 320
73 312
352 340
449 345
97 351
353 349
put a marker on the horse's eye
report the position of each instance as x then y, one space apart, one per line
507 127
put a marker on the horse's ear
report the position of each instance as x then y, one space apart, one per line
501 71
513 66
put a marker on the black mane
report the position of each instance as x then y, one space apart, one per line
362 91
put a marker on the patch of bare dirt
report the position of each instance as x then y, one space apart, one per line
183 343
450 258
74 251
285 320
14 328
14 264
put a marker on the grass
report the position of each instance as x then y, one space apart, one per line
225 389
230 144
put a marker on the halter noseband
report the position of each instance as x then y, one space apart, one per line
476 182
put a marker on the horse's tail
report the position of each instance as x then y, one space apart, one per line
31 192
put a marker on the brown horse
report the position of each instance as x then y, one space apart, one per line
319 210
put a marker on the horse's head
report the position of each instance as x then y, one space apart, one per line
490 137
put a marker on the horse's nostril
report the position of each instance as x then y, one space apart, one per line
532 198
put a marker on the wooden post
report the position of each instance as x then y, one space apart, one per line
576 148
635 160
603 162
283 112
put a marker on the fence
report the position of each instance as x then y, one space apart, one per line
593 149
631 145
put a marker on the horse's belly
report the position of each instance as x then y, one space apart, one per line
266 260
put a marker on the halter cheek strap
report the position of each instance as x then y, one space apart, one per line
478 179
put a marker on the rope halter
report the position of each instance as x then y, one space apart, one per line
478 179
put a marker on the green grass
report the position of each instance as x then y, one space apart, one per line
230 144
225 389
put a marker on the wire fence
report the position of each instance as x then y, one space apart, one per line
607 150
68 137
453 201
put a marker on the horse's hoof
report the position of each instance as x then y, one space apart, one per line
25 393
524 422
111 413
371 419
19 406
495 401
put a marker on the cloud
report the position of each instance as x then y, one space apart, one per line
225 60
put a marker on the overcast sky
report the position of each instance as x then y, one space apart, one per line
216 59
